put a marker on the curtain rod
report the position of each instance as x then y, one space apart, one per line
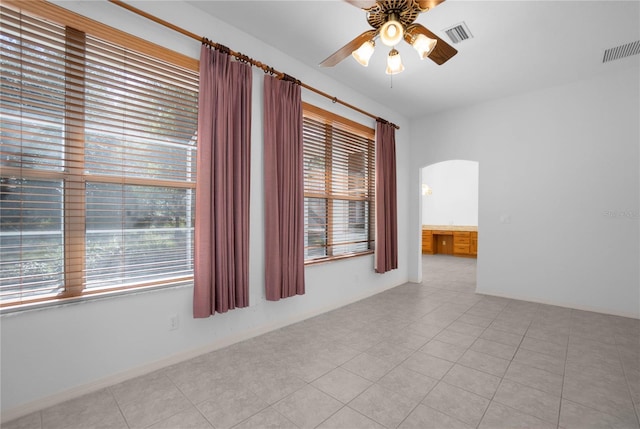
246 59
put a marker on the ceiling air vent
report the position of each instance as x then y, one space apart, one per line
459 33
621 51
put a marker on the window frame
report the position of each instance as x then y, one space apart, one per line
73 174
331 120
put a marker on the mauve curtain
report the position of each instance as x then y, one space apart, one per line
283 189
221 268
386 196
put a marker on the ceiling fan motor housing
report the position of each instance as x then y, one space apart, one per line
405 11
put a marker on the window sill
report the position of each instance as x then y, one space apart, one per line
320 261
63 302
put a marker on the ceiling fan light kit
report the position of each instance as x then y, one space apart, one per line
391 31
364 52
393 21
423 45
394 62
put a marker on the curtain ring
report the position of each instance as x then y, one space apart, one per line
334 100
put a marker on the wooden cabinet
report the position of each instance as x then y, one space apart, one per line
451 240
473 243
461 242
427 241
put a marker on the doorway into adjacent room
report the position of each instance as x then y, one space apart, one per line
449 209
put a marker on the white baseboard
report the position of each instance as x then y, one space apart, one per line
104 382
571 306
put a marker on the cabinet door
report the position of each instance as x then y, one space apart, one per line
427 241
473 245
461 241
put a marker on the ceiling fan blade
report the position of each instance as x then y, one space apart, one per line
363 4
428 4
442 53
347 49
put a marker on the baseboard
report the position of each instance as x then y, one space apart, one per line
102 383
592 309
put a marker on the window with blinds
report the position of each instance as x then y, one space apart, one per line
97 164
339 176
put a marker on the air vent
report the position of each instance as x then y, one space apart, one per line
459 33
621 51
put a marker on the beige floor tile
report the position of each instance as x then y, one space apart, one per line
466 328
154 407
446 351
529 400
455 338
534 377
502 417
94 409
494 348
455 402
348 418
471 319
308 407
190 418
484 362
576 416
540 361
271 387
368 366
30 421
546 347
614 400
408 383
342 384
384 406
390 352
231 408
428 365
472 380
423 417
502 337
268 418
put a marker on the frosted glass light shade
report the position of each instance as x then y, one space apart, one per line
424 45
394 62
364 52
391 32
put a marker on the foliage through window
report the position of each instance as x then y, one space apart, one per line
338 186
97 164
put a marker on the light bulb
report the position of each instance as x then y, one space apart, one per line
364 52
394 62
424 45
391 32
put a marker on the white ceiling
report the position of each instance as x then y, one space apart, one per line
517 46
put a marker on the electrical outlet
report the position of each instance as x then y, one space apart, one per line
173 322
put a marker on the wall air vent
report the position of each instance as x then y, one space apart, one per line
459 33
621 51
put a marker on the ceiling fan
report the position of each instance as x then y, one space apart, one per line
393 21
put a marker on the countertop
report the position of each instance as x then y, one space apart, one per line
450 227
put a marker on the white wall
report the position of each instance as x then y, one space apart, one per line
556 165
58 352
454 193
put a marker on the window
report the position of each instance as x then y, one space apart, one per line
97 165
338 186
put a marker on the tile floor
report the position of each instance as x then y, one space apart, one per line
434 355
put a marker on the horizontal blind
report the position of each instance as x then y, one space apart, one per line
32 110
140 158
140 115
339 176
97 164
